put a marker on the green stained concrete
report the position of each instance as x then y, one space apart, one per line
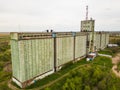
31 58
64 50
80 46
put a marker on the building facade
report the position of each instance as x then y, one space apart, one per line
36 55
87 25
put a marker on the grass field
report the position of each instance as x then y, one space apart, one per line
107 52
110 51
103 64
4 38
115 39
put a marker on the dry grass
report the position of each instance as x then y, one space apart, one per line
4 34
115 39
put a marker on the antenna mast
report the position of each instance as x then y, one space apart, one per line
86 12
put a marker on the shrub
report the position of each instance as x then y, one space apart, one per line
6 56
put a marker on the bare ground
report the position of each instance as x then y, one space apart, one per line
115 61
8 67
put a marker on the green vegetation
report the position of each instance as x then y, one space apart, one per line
115 39
96 75
4 38
4 86
107 52
82 75
103 61
3 48
110 51
67 68
118 66
5 58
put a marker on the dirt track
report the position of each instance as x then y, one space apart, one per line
116 60
8 67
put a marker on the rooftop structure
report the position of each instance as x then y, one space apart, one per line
87 25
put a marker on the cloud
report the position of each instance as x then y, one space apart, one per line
57 14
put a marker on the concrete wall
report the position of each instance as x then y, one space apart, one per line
31 58
107 38
15 59
36 55
80 46
89 38
103 41
39 57
87 25
64 50
97 39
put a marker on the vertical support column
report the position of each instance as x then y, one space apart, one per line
87 44
55 66
74 35
100 39
108 38
92 42
105 40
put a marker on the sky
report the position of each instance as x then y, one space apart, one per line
59 15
